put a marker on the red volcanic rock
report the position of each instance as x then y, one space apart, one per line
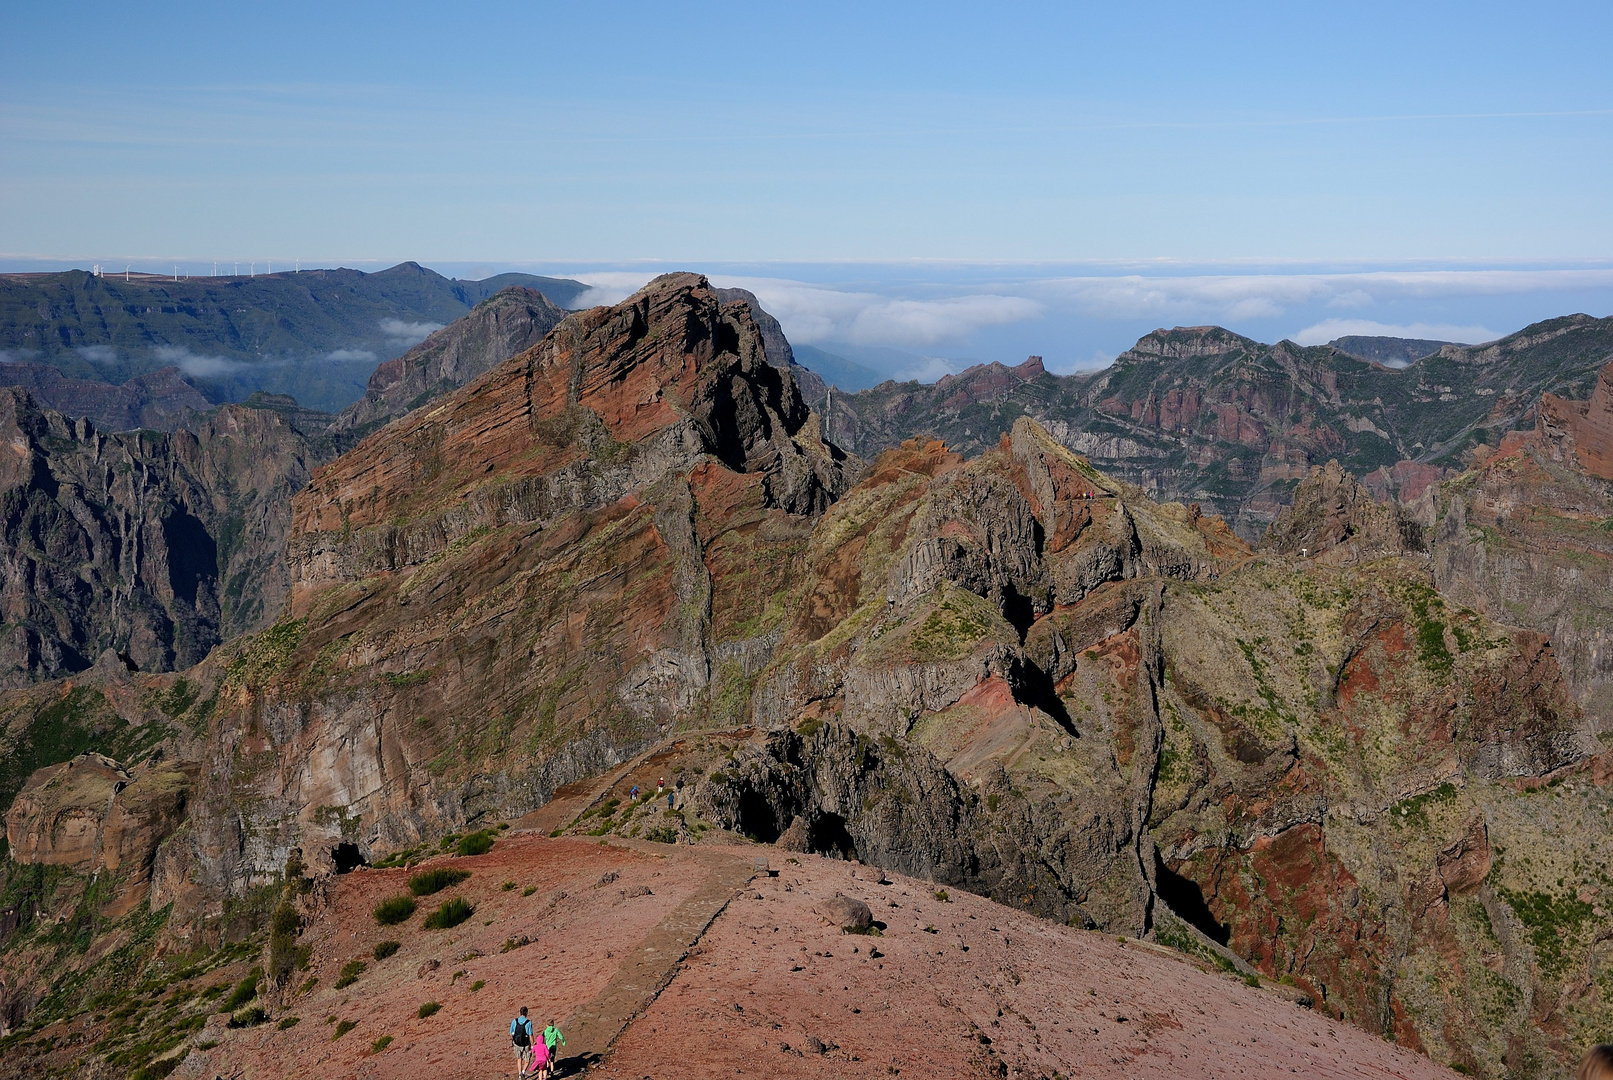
613 398
1580 432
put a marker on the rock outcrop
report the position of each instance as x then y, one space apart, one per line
1335 519
1524 538
498 328
1580 433
91 816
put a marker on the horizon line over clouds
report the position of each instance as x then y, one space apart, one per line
1308 308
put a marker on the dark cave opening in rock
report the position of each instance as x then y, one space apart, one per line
1184 897
347 857
829 836
756 818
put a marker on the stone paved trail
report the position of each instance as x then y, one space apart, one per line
651 964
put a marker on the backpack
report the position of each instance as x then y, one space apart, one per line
521 1032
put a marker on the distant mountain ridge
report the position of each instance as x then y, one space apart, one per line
315 334
1389 351
1201 414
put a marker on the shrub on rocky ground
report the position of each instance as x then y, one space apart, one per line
350 973
450 914
384 949
436 880
252 1017
477 843
244 991
394 910
428 1009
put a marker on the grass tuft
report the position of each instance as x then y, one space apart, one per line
450 914
384 949
393 910
476 843
428 1009
436 880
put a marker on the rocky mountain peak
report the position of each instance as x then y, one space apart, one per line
1335 519
614 398
1185 342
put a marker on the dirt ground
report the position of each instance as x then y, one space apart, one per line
687 963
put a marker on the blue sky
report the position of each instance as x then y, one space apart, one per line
968 167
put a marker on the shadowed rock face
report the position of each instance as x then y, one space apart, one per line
154 545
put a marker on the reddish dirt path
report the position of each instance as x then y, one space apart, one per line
652 963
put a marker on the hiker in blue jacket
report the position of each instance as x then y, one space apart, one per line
521 1036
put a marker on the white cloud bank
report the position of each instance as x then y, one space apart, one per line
812 314
399 332
822 314
816 313
195 365
1235 297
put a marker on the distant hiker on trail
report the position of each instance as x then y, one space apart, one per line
521 1036
552 1041
660 786
633 795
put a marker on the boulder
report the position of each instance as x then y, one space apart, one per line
842 910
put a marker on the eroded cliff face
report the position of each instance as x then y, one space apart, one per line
153 545
515 588
1523 537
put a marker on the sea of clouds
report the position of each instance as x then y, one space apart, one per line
941 317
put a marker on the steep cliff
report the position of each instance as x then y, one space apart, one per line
1524 536
156 546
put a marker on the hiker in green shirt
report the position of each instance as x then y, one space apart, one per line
552 1039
